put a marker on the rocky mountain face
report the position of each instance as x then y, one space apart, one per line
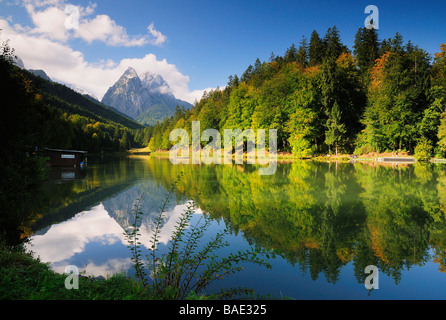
146 98
40 73
19 63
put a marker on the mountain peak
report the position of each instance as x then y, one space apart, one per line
146 98
18 62
130 73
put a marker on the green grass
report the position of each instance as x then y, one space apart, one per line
22 277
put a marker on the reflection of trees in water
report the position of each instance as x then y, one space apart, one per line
319 216
64 198
60 199
323 216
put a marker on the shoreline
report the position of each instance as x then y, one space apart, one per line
287 156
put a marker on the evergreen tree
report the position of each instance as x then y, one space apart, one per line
397 43
334 46
230 81
316 49
290 54
257 66
272 57
236 81
247 74
366 49
302 52
335 128
125 142
385 46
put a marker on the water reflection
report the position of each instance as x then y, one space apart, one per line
63 242
322 216
325 219
94 239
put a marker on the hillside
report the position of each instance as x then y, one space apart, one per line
72 102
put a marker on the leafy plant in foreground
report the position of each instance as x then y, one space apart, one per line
189 267
132 235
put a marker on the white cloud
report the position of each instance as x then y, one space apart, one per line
45 46
103 28
196 95
63 64
49 23
88 10
159 38
49 17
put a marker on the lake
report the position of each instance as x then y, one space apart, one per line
326 221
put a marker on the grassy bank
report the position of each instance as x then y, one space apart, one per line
25 278
145 150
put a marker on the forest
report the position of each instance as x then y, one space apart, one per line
39 114
323 98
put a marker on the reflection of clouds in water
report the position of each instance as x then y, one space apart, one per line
108 268
65 239
62 241
171 217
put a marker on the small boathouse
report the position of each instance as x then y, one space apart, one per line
66 158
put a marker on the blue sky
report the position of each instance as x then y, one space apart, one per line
194 45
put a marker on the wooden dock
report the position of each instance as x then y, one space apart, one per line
397 159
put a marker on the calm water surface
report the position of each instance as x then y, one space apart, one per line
328 222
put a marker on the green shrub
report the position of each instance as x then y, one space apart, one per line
423 150
188 267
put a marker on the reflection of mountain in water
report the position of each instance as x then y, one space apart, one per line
120 206
82 240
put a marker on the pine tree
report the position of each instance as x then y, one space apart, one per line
384 47
316 50
291 54
257 66
334 46
302 52
247 74
335 128
397 43
272 57
366 49
236 81
230 80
